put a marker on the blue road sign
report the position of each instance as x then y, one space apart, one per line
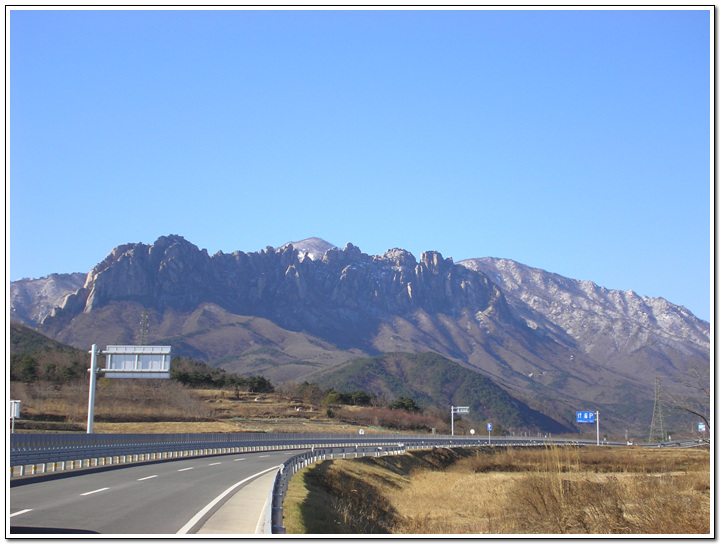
585 417
489 426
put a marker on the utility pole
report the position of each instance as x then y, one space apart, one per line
657 427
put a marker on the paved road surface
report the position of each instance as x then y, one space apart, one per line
155 498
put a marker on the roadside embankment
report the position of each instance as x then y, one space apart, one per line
543 490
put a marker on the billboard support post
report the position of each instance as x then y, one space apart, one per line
456 410
93 381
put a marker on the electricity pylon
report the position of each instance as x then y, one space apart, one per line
143 327
657 427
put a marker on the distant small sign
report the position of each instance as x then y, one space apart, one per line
701 427
361 431
585 417
15 409
489 427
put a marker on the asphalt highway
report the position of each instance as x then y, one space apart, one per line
154 498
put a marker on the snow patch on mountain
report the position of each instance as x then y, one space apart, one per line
310 248
31 299
593 314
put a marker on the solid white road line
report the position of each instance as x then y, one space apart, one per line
21 512
184 469
197 517
147 478
96 491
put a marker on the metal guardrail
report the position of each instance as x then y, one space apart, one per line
50 452
298 462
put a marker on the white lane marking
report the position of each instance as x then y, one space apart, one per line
289 453
261 456
96 491
241 459
147 478
197 517
184 469
211 464
21 512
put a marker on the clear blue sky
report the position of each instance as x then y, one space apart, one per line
573 141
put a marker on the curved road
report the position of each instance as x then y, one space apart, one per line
154 498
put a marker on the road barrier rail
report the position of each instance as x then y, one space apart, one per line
42 452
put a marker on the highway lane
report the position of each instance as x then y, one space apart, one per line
154 498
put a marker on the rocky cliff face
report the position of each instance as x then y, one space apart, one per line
343 296
31 300
604 323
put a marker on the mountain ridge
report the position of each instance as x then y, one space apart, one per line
552 341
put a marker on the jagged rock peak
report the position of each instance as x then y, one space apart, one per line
433 260
311 248
400 257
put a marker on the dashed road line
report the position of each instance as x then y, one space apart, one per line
184 469
21 512
147 478
213 464
261 456
241 459
93 492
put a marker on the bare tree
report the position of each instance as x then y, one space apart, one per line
696 392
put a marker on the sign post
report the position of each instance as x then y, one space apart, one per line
91 394
456 410
126 362
14 413
589 417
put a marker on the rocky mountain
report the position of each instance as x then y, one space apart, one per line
557 344
31 300
619 329
312 248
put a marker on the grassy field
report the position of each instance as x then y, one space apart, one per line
165 406
553 490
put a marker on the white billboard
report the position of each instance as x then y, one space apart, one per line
137 362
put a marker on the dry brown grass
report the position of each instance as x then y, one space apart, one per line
166 406
547 491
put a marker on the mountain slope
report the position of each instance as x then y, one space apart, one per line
31 300
433 380
620 330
